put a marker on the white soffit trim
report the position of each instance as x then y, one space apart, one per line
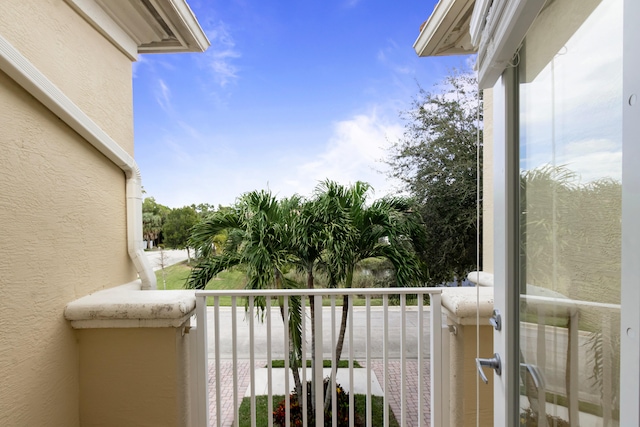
145 26
507 24
446 32
180 18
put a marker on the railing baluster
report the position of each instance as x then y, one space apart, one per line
252 363
420 359
269 367
351 383
216 339
368 397
385 356
303 317
234 356
318 386
403 370
436 361
287 404
334 356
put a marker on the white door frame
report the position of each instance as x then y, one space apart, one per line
505 192
630 314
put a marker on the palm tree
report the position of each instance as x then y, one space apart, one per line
332 231
388 228
257 237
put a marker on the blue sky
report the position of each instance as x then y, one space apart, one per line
291 92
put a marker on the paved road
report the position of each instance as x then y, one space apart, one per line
359 333
171 256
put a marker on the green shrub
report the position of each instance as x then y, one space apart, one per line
279 414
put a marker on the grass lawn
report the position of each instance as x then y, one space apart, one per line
175 276
262 415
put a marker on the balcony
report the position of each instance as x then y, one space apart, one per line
399 344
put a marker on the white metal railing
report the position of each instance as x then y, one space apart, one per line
403 341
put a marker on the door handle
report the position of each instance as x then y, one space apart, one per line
493 363
538 378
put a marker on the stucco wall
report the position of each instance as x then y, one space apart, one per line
94 74
62 207
123 383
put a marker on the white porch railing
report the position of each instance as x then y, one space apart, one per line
403 341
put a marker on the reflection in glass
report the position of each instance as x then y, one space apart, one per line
570 222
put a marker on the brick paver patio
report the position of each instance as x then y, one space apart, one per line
411 389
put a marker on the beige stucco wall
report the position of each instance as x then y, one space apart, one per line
92 72
133 377
62 207
463 397
487 182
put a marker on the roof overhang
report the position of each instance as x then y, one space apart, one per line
145 26
446 32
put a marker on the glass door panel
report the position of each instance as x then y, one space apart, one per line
570 126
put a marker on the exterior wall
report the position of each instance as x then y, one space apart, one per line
62 207
124 383
487 183
465 375
468 311
92 72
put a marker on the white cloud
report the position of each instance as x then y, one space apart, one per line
219 57
391 57
163 96
137 64
353 153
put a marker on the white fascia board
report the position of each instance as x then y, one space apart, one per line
197 40
433 24
106 26
507 24
446 18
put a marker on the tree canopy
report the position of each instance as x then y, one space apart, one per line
177 227
437 160
330 232
153 217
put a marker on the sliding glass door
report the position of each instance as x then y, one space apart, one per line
569 208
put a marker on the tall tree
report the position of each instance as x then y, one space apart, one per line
388 228
257 238
437 159
333 231
177 228
153 216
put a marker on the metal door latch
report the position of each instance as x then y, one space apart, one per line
493 363
496 320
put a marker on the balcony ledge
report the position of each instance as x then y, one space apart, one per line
128 306
461 305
